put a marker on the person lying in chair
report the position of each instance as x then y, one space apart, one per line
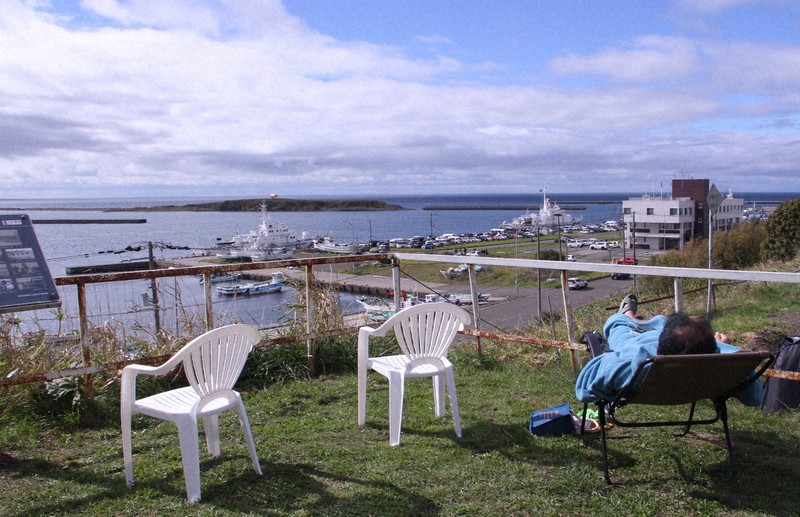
632 340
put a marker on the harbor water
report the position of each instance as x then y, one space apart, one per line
187 233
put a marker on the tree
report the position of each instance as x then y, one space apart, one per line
783 232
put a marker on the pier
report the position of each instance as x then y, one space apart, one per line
88 221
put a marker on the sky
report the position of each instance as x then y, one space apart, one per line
305 98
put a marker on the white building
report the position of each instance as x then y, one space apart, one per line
658 223
669 222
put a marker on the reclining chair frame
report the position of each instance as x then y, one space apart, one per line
638 392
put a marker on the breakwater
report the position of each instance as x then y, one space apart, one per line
497 207
89 221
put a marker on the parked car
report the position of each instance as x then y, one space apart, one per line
571 258
577 283
613 244
599 245
575 244
624 276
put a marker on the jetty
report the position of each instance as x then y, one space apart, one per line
88 221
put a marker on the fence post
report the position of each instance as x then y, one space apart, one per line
473 289
88 388
398 296
678 290
573 355
310 318
209 302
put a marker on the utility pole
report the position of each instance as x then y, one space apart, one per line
713 200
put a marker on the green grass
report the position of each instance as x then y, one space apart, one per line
316 460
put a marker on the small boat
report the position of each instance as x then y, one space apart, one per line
464 299
329 246
454 272
266 287
374 304
273 285
223 277
231 290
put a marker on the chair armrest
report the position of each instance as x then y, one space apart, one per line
128 380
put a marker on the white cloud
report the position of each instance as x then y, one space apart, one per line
650 59
221 96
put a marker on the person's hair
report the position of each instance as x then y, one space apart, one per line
683 334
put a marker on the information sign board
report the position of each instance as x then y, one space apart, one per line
714 199
25 281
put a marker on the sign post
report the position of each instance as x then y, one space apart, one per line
713 200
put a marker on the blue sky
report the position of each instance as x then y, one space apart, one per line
239 98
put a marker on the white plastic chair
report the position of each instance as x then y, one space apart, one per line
424 333
212 363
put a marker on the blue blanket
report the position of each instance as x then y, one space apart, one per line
631 343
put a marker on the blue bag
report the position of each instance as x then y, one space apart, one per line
553 421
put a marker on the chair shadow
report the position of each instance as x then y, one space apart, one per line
284 487
755 451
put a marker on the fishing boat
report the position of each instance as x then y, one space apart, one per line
273 285
549 215
273 240
327 245
223 277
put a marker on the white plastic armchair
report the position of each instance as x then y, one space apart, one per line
424 333
212 363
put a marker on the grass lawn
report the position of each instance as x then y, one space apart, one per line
317 461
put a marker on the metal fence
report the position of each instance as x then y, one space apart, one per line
311 269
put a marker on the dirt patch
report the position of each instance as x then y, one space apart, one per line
771 339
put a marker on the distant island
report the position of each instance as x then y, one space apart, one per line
273 205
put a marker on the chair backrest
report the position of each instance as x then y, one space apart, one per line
214 360
683 379
428 329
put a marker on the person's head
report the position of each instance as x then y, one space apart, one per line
684 334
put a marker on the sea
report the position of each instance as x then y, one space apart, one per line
186 233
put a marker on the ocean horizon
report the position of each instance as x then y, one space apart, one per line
421 201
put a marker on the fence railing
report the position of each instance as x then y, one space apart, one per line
309 279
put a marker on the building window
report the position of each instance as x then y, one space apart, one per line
626 211
673 211
650 211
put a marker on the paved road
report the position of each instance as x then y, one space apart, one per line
517 311
508 308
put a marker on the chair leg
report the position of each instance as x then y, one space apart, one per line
127 446
362 394
723 415
248 436
211 429
396 390
451 391
601 410
583 417
438 395
190 456
688 421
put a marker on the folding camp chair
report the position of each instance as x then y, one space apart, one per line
669 380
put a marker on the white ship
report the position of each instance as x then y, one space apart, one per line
272 241
549 215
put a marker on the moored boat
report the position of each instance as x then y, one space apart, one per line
273 285
329 246
550 215
223 277
265 242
